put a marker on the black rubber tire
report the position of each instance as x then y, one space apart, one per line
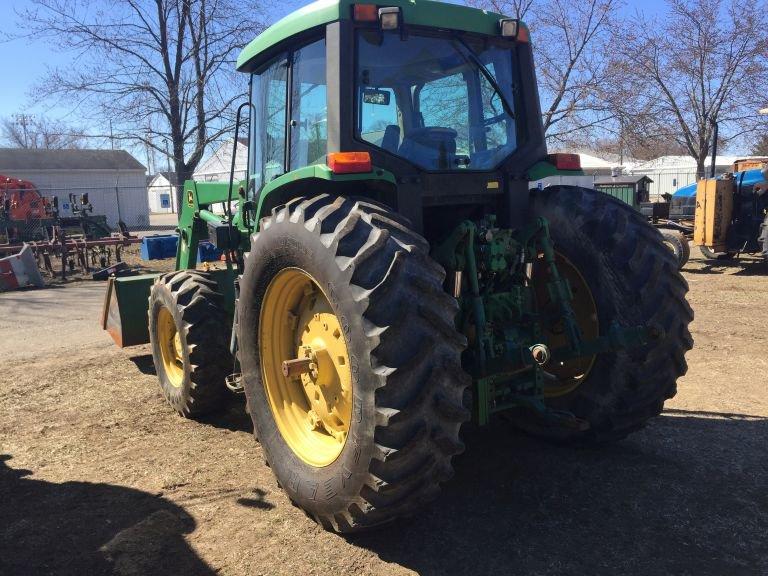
762 240
634 281
678 243
710 255
193 299
410 394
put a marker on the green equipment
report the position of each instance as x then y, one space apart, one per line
391 275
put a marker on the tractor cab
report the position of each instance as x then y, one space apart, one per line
445 99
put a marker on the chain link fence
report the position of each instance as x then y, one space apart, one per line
30 214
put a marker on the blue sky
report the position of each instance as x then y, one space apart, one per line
24 61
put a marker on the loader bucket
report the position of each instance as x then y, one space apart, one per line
124 314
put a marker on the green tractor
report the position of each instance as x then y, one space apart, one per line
390 274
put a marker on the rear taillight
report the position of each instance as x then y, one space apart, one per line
349 162
565 161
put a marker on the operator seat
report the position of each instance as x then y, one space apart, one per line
432 147
391 138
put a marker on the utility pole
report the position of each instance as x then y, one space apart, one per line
24 120
111 135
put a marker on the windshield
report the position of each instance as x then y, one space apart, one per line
435 100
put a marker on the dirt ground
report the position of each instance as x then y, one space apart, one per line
98 476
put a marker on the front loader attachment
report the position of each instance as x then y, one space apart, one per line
124 314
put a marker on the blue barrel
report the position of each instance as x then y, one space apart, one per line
207 252
158 247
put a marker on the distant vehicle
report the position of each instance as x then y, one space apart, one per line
729 213
27 216
24 213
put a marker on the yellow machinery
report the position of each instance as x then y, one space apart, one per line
714 207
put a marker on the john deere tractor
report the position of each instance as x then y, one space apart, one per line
390 274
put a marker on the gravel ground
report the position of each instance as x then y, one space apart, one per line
98 476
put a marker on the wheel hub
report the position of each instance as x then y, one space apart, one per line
305 367
171 348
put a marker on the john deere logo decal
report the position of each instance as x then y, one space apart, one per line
190 199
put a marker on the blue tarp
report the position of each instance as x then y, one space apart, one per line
751 177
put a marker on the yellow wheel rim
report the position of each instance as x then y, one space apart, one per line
305 367
566 376
171 349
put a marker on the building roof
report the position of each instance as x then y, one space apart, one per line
167 177
220 162
683 163
70 159
418 12
588 161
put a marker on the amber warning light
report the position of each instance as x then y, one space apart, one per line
366 12
349 162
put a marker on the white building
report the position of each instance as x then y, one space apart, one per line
161 193
594 166
114 180
672 172
217 166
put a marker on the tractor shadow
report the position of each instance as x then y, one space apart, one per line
232 416
743 267
144 363
82 528
687 495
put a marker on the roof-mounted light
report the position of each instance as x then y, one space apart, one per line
389 17
513 29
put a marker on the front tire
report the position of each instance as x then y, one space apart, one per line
189 335
633 280
373 278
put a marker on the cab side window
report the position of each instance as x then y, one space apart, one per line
269 92
309 106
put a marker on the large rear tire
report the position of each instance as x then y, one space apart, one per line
396 413
189 335
633 280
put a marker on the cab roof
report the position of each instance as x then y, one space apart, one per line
415 12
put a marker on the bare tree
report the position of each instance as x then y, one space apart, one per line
701 64
161 71
761 147
512 8
27 131
571 42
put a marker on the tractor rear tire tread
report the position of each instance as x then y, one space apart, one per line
640 278
412 370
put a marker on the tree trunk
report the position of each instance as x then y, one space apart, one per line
183 173
700 169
